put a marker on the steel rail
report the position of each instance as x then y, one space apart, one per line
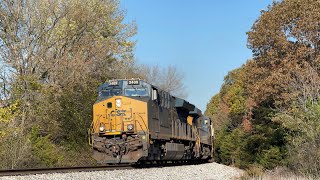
33 171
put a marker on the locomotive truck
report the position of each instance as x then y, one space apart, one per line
135 121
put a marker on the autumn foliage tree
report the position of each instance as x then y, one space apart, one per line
54 54
242 126
285 42
280 90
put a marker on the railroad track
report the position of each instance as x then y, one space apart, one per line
17 172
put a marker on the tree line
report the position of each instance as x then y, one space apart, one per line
53 56
267 112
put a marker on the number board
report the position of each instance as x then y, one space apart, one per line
133 82
113 83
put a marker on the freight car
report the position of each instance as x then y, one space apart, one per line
134 121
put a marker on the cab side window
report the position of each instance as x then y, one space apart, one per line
155 96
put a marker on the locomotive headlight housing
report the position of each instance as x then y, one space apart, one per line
130 127
101 128
118 103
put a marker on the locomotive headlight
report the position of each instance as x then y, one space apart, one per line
130 127
101 128
118 103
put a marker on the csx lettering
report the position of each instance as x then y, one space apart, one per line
119 113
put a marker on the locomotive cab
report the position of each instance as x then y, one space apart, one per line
117 105
120 122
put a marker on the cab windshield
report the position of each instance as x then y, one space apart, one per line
109 92
136 92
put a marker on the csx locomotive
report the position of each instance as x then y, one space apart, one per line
134 121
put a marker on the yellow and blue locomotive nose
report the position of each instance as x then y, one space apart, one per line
120 114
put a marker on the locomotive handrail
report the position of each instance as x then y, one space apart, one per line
143 121
143 124
90 139
91 130
95 126
139 125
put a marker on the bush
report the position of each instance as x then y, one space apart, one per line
304 141
47 153
270 158
15 148
230 148
263 145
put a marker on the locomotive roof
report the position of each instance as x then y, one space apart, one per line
120 83
179 102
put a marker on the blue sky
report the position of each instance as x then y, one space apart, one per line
204 39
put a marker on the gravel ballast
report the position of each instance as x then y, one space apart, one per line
194 172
